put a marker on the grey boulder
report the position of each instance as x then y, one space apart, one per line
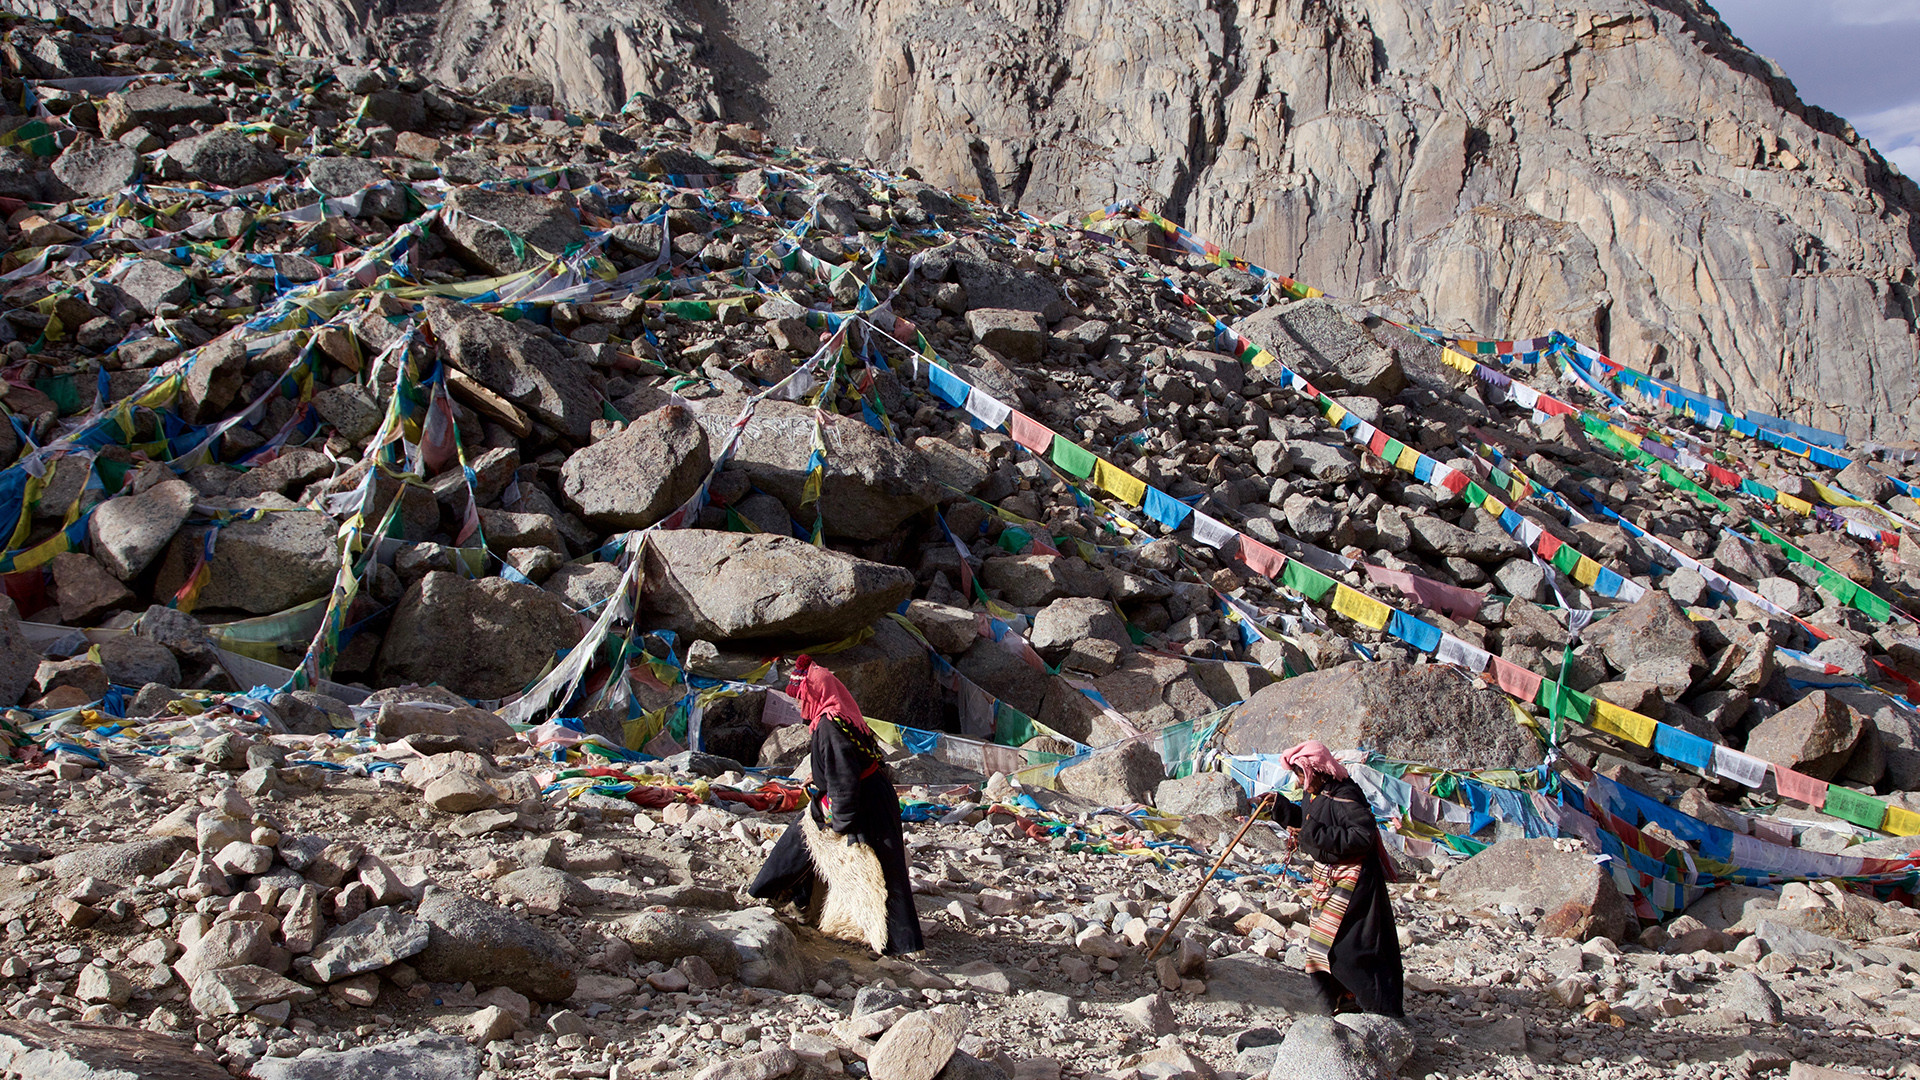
130 531
520 365
473 941
1410 712
96 168
1130 773
739 586
641 475
227 157
502 232
262 566
434 632
1579 899
421 1057
870 486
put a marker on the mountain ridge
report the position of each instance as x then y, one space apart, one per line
1627 172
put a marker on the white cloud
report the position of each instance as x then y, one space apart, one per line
1892 127
1874 12
1908 159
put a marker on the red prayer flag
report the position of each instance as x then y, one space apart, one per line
1031 433
1261 559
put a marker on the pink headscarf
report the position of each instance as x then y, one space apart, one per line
821 693
1313 756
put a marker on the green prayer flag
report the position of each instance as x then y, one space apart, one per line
1011 727
1849 805
1072 457
63 391
1872 604
1565 559
691 310
1390 453
1305 580
1475 494
1563 703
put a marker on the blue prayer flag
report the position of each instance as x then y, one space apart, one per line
1676 744
947 386
1166 509
1421 635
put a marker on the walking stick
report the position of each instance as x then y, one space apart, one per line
1266 801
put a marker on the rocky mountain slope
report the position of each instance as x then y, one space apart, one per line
416 498
1626 171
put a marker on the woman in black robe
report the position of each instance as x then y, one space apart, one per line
1353 947
853 811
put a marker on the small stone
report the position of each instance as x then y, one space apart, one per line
765 1065
1150 1014
98 984
917 1046
244 859
491 1024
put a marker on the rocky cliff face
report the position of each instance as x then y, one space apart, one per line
1627 171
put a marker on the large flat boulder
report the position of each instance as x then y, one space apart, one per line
130 531
482 639
1130 774
640 475
76 1051
19 660
1650 630
519 365
1423 713
1815 735
1578 899
473 941
742 587
870 486
502 232
417 1057
1315 338
156 108
228 157
270 564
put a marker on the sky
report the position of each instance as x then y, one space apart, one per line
1859 59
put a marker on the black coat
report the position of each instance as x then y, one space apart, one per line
858 788
1337 828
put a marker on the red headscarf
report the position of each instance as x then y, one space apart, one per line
821 693
1313 756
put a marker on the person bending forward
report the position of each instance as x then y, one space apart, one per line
844 859
1353 948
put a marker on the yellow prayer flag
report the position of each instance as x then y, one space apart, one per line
1834 496
1585 571
1798 506
1361 608
1625 723
884 731
1128 488
1457 362
1263 358
1335 414
1901 822
1409 457
1493 507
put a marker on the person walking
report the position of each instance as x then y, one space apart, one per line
844 860
1353 947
